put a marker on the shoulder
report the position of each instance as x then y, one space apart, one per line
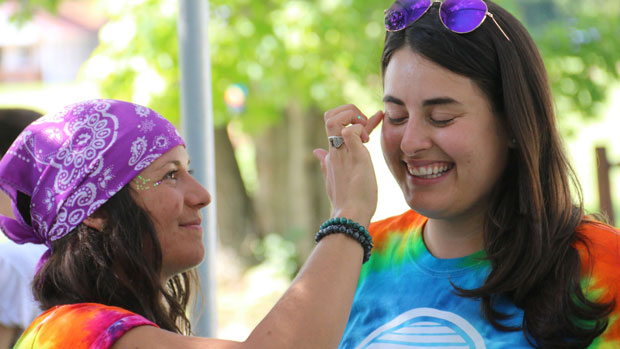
599 249
80 325
384 232
405 221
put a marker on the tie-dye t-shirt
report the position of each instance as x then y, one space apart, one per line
81 325
405 298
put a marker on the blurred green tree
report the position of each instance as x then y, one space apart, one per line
295 58
299 58
579 42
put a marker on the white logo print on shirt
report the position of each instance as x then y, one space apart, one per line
424 328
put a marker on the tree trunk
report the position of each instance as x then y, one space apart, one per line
237 226
291 199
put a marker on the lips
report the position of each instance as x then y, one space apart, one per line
196 222
429 171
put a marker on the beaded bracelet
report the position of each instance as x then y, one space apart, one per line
350 228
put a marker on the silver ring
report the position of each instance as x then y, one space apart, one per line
336 141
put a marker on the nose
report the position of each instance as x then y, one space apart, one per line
416 137
196 195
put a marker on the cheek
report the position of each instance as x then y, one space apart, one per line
482 157
457 144
175 205
164 208
390 140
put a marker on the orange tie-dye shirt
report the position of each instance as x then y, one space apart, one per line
81 325
405 295
601 275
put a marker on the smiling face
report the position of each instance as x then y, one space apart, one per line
173 199
440 138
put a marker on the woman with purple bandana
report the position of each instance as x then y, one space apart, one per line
105 185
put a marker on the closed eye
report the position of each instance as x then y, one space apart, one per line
442 122
442 118
396 120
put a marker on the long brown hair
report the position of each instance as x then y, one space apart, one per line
530 230
119 266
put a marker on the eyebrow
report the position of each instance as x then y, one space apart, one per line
174 162
392 99
426 103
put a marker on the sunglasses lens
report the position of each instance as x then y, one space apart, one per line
404 12
463 16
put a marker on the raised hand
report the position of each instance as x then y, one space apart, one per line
348 170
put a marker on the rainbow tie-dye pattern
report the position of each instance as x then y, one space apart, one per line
405 298
81 325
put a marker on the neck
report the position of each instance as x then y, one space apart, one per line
454 238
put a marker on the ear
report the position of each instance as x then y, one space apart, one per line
96 221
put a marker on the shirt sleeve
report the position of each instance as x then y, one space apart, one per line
600 257
82 325
119 328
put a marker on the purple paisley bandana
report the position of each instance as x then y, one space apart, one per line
70 162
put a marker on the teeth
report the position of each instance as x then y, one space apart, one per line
432 171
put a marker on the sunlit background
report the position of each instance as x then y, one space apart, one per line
277 66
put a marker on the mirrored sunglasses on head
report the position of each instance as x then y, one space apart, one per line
459 16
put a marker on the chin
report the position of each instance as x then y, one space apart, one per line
195 259
426 209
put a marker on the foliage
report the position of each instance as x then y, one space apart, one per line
312 53
283 51
26 9
278 254
323 52
137 58
579 41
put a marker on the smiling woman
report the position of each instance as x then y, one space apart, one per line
174 201
443 144
496 250
105 185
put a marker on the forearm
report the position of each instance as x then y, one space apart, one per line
314 311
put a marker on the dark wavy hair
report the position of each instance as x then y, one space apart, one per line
119 266
530 229
13 122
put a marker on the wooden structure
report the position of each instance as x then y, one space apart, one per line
604 186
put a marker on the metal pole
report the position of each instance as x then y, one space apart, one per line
197 126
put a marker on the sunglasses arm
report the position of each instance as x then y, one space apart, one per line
498 26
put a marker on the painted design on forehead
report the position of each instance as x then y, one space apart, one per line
143 183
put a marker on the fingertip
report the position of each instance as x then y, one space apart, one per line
374 121
319 153
365 136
